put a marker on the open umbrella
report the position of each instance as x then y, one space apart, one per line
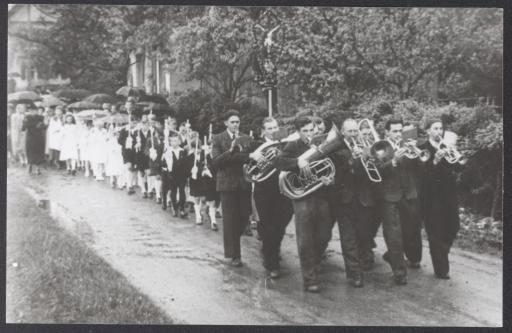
100 99
118 119
71 94
23 97
91 114
51 101
84 105
130 91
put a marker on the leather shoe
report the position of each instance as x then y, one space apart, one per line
357 281
214 227
400 280
312 289
236 262
414 265
443 276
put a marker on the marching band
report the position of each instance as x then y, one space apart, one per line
348 176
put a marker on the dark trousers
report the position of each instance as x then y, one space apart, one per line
313 230
236 208
333 202
402 233
347 224
171 184
367 225
275 212
441 228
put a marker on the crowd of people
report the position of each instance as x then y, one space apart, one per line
162 160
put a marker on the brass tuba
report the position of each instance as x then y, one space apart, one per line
298 185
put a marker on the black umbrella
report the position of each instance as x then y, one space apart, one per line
100 99
130 91
71 94
158 99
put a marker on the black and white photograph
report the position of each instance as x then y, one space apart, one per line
254 165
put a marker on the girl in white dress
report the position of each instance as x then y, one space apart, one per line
98 149
114 167
85 154
69 144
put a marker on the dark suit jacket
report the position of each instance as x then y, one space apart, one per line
179 172
351 181
229 165
400 181
439 192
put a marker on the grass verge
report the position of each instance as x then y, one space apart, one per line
53 277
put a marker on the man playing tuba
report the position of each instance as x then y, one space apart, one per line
312 218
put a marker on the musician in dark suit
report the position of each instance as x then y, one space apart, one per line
353 195
439 203
368 219
312 216
235 192
399 195
174 175
275 210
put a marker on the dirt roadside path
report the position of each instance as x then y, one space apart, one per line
179 266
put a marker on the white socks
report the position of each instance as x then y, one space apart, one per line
197 210
211 211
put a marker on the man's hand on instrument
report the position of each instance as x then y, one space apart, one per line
301 163
327 180
357 153
398 155
256 155
440 154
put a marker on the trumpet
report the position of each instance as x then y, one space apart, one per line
411 150
448 143
414 152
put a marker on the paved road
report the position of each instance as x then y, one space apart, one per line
179 265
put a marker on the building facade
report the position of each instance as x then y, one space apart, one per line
23 74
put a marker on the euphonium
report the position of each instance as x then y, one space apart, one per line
263 169
298 185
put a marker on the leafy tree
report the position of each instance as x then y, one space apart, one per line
346 53
215 48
